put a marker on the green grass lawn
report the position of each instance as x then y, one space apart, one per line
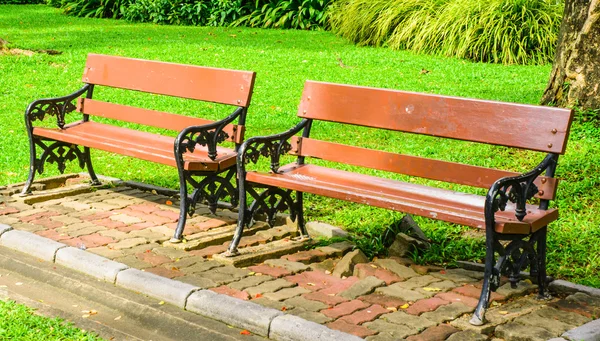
18 322
283 60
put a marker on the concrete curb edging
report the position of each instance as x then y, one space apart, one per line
263 321
588 332
4 228
156 286
567 287
31 244
294 328
233 311
89 263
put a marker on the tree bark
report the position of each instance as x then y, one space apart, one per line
575 77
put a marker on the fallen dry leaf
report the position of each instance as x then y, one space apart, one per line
432 289
404 306
503 312
118 318
161 302
85 316
169 203
391 308
245 332
373 266
283 308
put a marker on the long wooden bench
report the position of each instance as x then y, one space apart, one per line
196 151
504 212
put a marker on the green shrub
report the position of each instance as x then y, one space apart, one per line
499 31
93 8
171 12
298 14
21 2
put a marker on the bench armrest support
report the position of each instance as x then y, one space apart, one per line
58 106
272 146
517 189
208 135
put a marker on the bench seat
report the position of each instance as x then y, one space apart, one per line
137 144
431 202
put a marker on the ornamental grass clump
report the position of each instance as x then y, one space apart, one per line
498 31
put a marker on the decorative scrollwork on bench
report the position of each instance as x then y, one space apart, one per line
515 256
272 149
212 189
518 189
271 201
206 138
59 153
57 107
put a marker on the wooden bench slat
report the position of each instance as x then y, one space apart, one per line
435 203
148 117
138 144
508 124
412 165
202 83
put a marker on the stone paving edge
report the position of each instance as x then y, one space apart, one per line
261 320
233 311
588 332
31 244
89 263
294 328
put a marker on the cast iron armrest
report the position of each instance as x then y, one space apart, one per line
58 106
516 189
208 135
272 146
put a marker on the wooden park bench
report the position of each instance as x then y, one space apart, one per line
515 230
196 151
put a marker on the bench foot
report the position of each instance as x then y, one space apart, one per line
174 240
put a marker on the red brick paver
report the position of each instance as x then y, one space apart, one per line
162 271
209 251
383 300
225 290
350 328
314 280
345 308
471 291
365 315
455 297
95 240
329 299
307 257
429 304
365 270
274 271
153 258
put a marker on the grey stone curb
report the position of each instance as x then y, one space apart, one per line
89 263
294 328
163 288
4 228
588 332
263 321
233 311
567 287
31 244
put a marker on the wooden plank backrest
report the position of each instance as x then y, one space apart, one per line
531 127
187 81
151 118
412 165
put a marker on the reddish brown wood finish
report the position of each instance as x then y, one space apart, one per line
149 117
138 144
435 203
187 81
514 125
412 165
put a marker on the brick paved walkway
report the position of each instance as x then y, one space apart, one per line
385 299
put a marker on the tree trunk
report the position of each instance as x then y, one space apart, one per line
575 77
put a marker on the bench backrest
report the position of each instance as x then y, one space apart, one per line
537 128
223 86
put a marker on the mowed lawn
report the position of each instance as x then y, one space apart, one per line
283 60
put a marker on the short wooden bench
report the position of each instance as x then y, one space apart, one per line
504 212
196 151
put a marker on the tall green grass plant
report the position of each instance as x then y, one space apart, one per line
498 31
